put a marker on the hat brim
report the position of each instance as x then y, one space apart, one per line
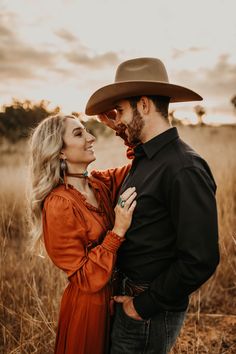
106 97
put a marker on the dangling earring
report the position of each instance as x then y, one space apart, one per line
64 168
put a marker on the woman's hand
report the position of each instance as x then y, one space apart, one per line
124 211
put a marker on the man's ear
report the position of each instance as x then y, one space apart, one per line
144 105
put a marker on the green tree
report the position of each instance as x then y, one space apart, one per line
172 118
233 101
200 112
18 118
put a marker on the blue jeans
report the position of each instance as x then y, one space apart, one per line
154 336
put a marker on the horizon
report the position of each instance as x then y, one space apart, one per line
185 116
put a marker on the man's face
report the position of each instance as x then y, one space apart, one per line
129 121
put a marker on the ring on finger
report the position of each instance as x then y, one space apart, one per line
119 201
122 204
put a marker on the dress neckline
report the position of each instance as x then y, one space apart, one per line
95 188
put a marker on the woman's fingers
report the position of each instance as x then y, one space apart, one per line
127 197
127 193
130 199
124 211
132 206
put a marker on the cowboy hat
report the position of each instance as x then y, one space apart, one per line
136 77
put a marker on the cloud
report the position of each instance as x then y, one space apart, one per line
66 35
95 62
80 54
19 60
5 32
22 61
218 81
178 53
196 49
221 79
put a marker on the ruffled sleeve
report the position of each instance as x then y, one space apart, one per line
113 179
66 243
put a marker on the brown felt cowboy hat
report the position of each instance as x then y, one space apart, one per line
136 77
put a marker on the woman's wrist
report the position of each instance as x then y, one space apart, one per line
118 231
112 241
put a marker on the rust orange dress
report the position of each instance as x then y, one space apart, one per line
78 242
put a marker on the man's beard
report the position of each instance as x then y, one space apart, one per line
135 128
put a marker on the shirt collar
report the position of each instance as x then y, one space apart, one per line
151 147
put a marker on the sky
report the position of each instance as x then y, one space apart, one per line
63 50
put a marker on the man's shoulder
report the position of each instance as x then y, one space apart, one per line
181 156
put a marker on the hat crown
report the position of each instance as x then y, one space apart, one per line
137 77
142 69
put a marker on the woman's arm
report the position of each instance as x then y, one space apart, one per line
66 243
113 179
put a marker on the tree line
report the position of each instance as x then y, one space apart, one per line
20 117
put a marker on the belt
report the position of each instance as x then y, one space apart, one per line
127 286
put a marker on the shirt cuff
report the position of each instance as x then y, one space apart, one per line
112 241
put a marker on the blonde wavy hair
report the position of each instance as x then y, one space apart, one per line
46 143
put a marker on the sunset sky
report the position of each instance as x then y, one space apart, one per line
63 50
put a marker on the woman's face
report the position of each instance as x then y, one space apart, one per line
78 144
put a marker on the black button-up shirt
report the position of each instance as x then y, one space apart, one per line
173 238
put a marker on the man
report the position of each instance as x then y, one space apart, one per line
171 248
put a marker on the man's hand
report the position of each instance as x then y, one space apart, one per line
108 119
128 306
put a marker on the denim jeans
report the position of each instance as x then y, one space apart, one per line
154 336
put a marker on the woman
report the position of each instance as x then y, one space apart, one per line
77 212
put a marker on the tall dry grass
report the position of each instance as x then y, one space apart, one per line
31 287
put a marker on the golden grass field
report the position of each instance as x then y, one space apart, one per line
31 287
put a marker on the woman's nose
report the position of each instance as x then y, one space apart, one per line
90 137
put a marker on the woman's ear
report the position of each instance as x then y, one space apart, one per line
62 155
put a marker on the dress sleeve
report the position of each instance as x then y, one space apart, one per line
66 240
113 179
